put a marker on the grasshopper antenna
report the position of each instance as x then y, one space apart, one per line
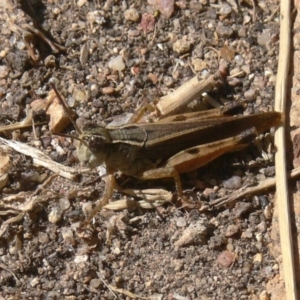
66 108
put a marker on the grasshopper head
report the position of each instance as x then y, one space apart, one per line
93 142
92 147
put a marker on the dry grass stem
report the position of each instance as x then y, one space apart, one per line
41 159
282 193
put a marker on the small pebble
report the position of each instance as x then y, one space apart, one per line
224 31
247 19
64 203
50 61
232 230
68 236
263 201
87 208
269 171
35 281
235 182
225 259
230 247
196 6
16 245
147 23
116 63
195 234
258 82
21 45
247 267
264 38
79 94
80 3
55 215
131 14
225 10
108 90
199 64
153 78
259 236
239 60
260 177
242 32
43 237
180 222
234 81
242 208
81 258
227 53
250 94
135 71
247 234
208 191
4 71
96 283
94 90
168 81
166 7
182 46
258 258
134 32
268 212
3 53
56 11
262 227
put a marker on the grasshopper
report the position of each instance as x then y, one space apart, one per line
171 146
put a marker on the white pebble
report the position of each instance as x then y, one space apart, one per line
116 63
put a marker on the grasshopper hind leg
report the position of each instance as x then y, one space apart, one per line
196 157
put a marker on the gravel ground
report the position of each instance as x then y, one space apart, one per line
107 58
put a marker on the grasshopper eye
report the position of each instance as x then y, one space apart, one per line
96 143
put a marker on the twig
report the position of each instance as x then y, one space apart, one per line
174 102
108 286
41 159
282 196
254 11
244 192
272 16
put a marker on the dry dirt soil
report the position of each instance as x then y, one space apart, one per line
107 58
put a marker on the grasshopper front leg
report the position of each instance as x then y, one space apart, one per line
110 184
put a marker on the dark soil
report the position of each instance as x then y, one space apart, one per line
173 251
